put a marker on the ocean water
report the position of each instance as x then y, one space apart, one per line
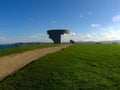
6 46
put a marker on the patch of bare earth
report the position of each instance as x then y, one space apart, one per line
12 63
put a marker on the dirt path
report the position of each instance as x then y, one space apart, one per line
12 63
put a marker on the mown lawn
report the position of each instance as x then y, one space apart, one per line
10 51
79 67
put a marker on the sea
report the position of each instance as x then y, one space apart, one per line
6 46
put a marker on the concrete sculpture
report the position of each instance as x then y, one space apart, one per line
55 35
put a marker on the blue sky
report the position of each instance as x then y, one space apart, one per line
88 20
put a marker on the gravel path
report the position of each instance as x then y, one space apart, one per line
12 63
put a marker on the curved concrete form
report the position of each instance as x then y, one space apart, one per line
55 35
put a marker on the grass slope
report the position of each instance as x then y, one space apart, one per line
79 67
23 49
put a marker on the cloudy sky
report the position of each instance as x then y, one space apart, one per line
88 20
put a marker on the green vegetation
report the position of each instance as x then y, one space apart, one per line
79 67
23 48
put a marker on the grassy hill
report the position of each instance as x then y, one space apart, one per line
78 67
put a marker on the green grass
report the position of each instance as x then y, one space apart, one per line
79 67
23 49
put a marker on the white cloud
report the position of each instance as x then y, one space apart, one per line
36 36
116 18
102 34
96 25
73 34
105 34
93 34
42 37
5 40
110 35
53 22
107 29
87 37
81 16
84 15
90 13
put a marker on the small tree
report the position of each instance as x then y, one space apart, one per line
71 41
98 43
